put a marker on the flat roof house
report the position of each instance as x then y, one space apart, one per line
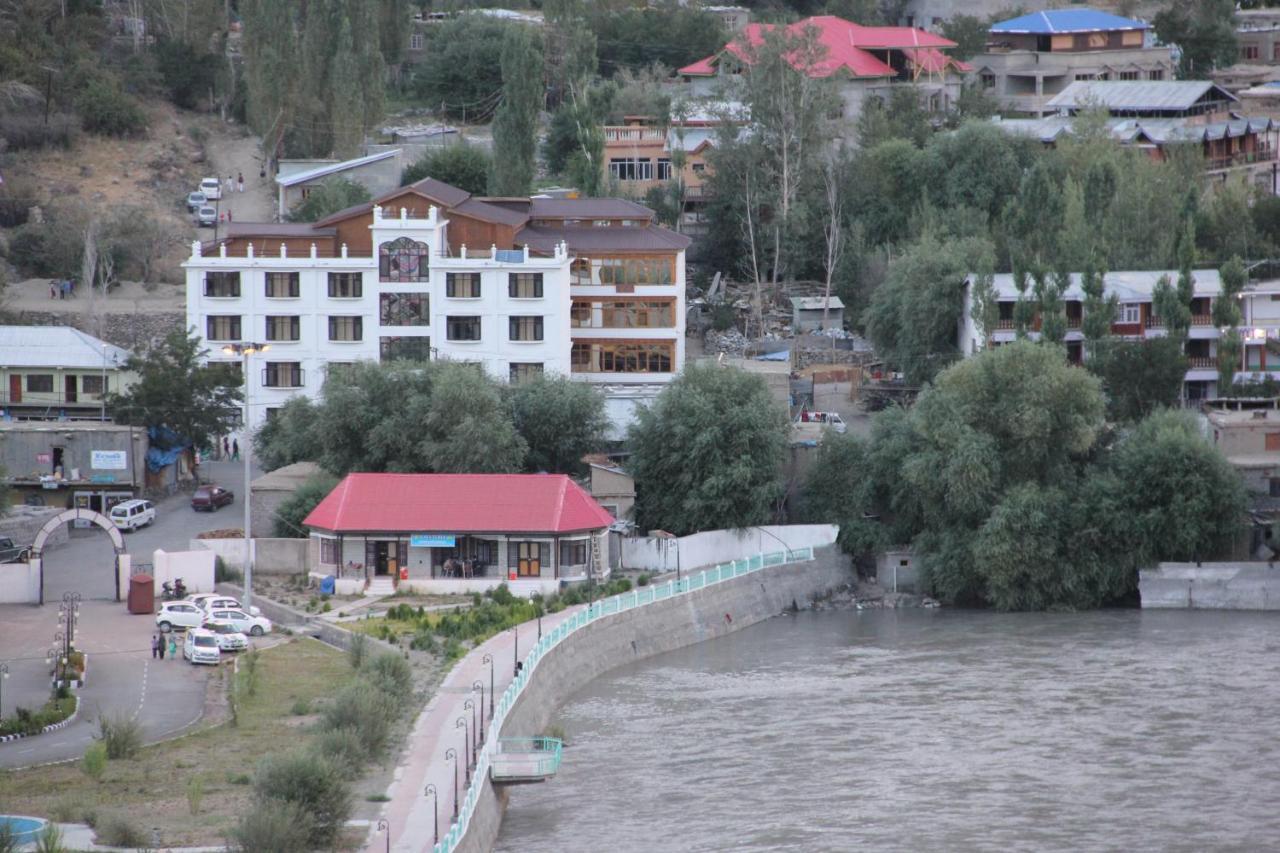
460 532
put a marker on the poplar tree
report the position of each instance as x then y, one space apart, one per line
516 124
1226 316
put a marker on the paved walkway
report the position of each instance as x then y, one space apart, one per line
436 730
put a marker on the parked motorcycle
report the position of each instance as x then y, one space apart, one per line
175 591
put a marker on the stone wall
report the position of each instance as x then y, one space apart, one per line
22 523
646 631
133 330
1211 586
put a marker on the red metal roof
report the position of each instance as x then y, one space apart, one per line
458 503
848 46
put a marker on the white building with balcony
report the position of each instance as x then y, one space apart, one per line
589 288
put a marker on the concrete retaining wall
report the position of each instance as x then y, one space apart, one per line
270 556
1211 586
194 567
701 550
22 523
644 632
19 583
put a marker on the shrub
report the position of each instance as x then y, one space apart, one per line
106 109
8 839
195 794
344 747
391 674
95 760
314 784
365 710
223 574
424 641
358 651
301 708
116 830
281 827
30 131
121 736
643 580
239 778
49 841
249 672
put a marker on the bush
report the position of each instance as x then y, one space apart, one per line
30 131
312 783
95 760
116 830
195 794
106 109
121 736
223 574
365 710
280 827
49 841
358 651
344 747
300 708
391 673
643 580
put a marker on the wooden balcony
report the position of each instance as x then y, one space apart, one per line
1265 154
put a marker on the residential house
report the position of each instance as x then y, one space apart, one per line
812 313
614 488
58 372
1258 36
460 532
1187 99
73 464
587 288
1250 439
930 14
297 179
868 63
272 490
733 18
1135 319
1032 58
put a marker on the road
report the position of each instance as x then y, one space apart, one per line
164 696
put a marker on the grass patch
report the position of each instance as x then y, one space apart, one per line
25 721
153 789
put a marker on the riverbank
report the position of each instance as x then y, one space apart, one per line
868 595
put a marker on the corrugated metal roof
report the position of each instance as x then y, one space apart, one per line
584 238
814 303
1157 130
1129 286
1137 94
1054 21
55 346
334 168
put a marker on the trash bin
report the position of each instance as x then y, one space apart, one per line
142 594
327 585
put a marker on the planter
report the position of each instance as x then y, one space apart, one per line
78 681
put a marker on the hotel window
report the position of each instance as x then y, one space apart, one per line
988 81
1130 312
462 285
329 547
462 328
580 271
403 260
404 309
631 169
346 328
573 553
40 383
284 328
1157 74
635 271
664 171
346 285
1249 51
222 327
91 385
524 371
1128 75
525 328
282 285
416 41
524 285
404 349
637 314
282 374
580 314
222 285
621 357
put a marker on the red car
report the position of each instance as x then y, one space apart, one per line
211 498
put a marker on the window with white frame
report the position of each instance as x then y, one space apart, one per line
1130 312
526 328
282 374
346 328
462 285
346 285
524 285
222 327
631 168
462 328
329 551
282 285
287 328
523 371
222 285
664 173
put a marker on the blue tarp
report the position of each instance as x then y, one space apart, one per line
166 447
327 585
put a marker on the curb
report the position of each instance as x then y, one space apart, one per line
52 727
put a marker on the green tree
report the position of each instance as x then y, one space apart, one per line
968 32
1204 30
516 124
903 117
291 436
331 196
561 420
459 73
464 166
1099 309
1140 376
1053 318
840 489
105 108
468 428
314 784
707 454
673 35
287 523
1226 317
176 390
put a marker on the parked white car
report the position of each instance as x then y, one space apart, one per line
130 515
254 626
201 646
179 614
229 639
210 603
212 188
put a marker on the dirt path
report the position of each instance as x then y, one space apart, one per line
235 156
128 297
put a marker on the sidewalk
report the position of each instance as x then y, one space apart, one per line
436 730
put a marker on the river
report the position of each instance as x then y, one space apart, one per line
927 730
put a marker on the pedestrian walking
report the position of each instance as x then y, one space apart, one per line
231 183
160 646
173 646
228 216
155 646
226 447
235 449
240 180
53 289
69 287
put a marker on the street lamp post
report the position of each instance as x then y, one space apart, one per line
452 753
475 731
515 653
479 685
102 394
384 826
466 743
244 350
430 791
489 660
4 674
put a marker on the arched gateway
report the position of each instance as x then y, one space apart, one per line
117 541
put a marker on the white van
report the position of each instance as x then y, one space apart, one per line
831 419
212 188
130 515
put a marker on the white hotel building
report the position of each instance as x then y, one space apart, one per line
589 288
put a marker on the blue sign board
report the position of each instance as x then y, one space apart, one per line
432 540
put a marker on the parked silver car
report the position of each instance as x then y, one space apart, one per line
207 216
195 201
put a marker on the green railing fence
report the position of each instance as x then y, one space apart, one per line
637 597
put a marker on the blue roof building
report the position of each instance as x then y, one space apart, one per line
1058 21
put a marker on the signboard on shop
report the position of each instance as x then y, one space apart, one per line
109 460
432 540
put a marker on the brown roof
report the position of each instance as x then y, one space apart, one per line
486 212
585 238
232 230
588 208
438 191
346 213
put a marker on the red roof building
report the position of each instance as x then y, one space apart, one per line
436 532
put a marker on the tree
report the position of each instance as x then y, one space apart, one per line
968 32
840 489
464 166
1140 376
331 196
903 117
468 429
1205 32
287 523
458 73
177 391
673 35
291 436
562 421
516 124
1226 317
707 454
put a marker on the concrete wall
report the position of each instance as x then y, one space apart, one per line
194 567
270 556
22 523
20 583
644 632
1211 586
896 570
700 550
